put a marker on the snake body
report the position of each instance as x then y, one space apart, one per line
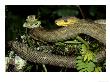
32 55
92 29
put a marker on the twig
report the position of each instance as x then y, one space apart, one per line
44 67
81 11
83 41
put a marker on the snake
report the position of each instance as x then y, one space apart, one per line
70 27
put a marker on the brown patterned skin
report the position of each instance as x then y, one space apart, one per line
92 29
32 55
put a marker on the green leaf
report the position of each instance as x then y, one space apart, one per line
94 60
85 57
96 70
91 64
79 61
83 49
79 57
79 68
72 42
59 43
99 68
90 69
82 65
90 55
82 70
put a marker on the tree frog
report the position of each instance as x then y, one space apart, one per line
32 22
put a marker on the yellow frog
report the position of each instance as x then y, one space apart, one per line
66 21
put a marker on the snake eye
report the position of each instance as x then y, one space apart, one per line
65 20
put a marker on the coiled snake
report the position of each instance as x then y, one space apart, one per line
71 30
92 29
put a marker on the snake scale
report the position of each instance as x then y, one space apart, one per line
92 29
32 55
97 31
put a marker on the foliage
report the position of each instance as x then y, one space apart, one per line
67 11
84 66
86 53
86 62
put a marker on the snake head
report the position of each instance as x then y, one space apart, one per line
65 21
